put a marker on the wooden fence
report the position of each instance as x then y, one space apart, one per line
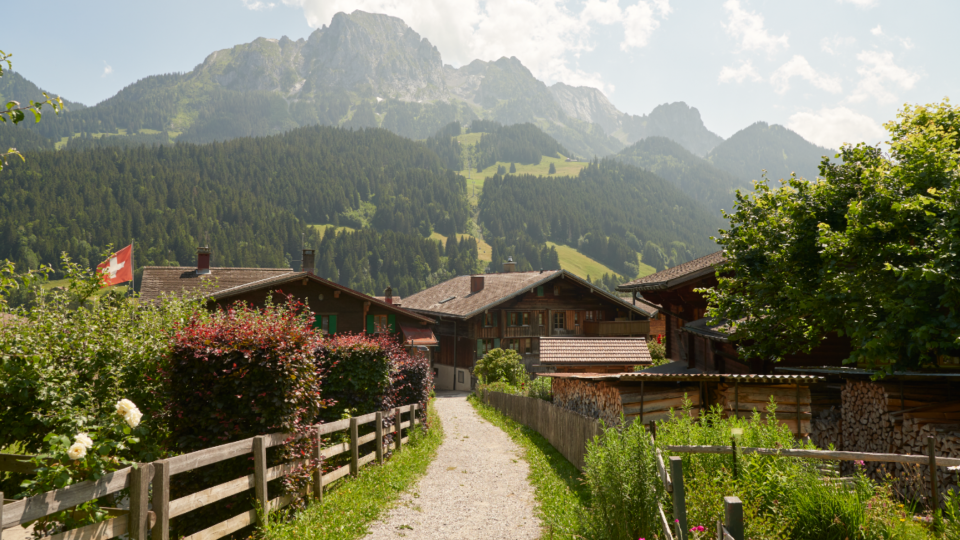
567 431
140 523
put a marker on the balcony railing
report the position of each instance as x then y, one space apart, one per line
616 328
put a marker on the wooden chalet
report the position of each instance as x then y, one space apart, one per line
336 308
693 339
516 310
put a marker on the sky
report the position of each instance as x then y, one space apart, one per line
832 70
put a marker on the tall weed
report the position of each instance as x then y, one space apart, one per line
621 474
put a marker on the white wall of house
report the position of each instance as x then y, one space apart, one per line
444 379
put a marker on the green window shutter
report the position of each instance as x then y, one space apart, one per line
392 321
496 343
540 290
333 324
317 322
370 324
479 348
495 319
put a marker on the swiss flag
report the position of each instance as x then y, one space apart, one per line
118 268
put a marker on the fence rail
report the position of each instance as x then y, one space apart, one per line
139 523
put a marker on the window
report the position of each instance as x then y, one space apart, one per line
380 324
488 320
540 318
556 290
576 318
326 323
513 319
526 346
526 319
559 320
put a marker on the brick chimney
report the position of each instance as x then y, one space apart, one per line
306 261
388 295
476 284
203 260
509 266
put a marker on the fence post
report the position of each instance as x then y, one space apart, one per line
137 519
260 472
413 417
679 500
161 500
397 417
733 517
934 492
354 448
317 474
1 515
379 422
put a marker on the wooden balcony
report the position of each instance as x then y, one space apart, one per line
616 328
525 331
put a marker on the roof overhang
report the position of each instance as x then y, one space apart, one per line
668 283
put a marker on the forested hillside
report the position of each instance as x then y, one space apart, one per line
521 143
773 148
251 200
695 176
611 211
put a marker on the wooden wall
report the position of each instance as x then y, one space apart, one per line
348 309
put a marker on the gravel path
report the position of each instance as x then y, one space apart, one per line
475 488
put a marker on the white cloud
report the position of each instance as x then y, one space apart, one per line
544 34
906 42
833 127
875 70
799 67
257 5
740 74
603 12
639 24
877 31
748 27
861 3
107 69
830 45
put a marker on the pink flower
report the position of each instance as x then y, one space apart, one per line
859 462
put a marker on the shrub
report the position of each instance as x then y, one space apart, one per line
501 365
413 379
541 388
81 348
621 474
236 374
358 368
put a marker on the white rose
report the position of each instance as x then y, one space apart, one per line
133 417
84 439
124 406
77 451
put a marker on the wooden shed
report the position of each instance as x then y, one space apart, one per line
648 396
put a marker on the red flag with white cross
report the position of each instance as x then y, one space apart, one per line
118 268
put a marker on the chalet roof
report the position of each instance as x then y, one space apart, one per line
672 277
580 351
453 298
158 280
274 282
9 319
692 377
397 301
702 327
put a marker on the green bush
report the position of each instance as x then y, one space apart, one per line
621 474
541 388
358 374
501 365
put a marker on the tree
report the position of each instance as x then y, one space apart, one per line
513 167
16 114
501 365
553 169
869 251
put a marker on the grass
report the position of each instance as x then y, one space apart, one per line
322 227
353 503
484 250
561 495
582 265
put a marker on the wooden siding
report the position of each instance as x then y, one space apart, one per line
465 351
616 328
348 309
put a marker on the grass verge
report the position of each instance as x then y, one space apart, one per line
562 496
349 507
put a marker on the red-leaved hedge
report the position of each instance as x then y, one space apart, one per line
236 374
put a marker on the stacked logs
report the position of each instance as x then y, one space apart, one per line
595 399
653 404
743 399
827 429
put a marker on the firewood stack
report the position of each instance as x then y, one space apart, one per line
826 429
757 397
656 402
596 399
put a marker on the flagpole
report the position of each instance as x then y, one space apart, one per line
133 269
